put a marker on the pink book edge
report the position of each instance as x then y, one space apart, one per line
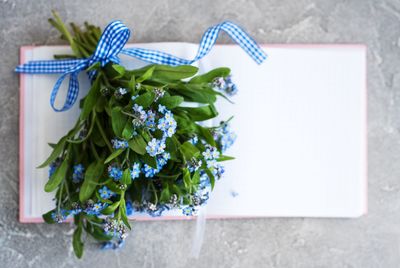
24 219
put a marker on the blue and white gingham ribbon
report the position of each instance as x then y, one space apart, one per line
111 43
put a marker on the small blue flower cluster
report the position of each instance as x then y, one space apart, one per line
75 210
156 210
224 136
225 84
115 172
155 147
194 140
194 164
211 154
94 209
199 198
162 160
119 144
78 173
59 216
140 112
129 208
91 208
118 232
167 125
106 193
113 244
151 120
188 211
135 171
122 91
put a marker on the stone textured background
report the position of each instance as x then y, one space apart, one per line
371 241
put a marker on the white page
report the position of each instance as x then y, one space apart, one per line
301 123
312 159
43 126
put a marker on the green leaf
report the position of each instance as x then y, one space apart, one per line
99 234
52 145
101 104
138 144
128 130
132 83
176 190
168 177
151 161
124 218
185 125
47 217
57 177
91 98
193 94
225 158
59 147
145 100
172 145
119 69
165 194
170 102
201 113
210 76
77 242
147 75
186 178
126 177
196 177
146 136
189 150
212 178
166 72
92 176
110 209
114 155
97 138
205 132
113 187
118 121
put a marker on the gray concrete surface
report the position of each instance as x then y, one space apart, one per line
371 241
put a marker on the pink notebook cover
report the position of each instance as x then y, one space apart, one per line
24 219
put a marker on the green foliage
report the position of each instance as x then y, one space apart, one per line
77 243
107 115
92 176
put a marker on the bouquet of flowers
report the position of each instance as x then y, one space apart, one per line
139 144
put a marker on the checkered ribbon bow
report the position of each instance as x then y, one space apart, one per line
111 43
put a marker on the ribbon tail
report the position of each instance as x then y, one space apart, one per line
48 66
198 236
245 41
206 44
72 93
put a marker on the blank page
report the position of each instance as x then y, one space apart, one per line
300 120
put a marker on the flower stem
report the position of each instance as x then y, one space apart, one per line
155 193
60 195
128 114
94 151
103 135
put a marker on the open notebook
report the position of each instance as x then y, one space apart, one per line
300 118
